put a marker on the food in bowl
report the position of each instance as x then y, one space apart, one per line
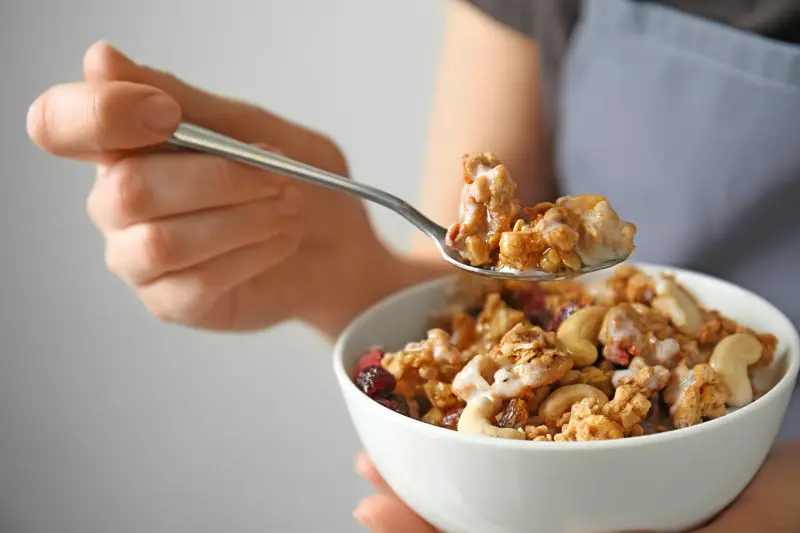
635 354
668 481
564 236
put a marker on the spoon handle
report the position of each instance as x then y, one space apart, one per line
194 137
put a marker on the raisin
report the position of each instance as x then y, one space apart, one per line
371 357
450 418
424 404
395 402
376 381
564 313
515 414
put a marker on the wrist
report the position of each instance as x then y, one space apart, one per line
363 282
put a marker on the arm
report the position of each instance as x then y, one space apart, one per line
487 99
279 250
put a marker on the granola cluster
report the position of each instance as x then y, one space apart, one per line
563 361
563 236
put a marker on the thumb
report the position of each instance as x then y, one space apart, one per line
241 120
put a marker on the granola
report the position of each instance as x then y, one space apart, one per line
654 371
488 209
560 236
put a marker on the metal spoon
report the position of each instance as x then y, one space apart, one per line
190 136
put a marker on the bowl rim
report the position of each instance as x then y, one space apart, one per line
792 350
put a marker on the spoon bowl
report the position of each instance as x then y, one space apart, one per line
452 256
192 137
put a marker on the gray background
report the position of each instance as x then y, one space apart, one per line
113 422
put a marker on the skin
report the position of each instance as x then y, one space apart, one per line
216 245
202 241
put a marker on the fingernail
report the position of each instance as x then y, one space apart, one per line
361 467
363 518
159 113
116 51
268 148
104 47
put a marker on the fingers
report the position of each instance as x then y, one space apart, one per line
102 63
124 106
187 296
144 252
143 188
85 120
384 513
737 518
366 469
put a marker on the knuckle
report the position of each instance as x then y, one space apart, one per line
176 302
94 206
112 262
117 265
117 258
164 309
197 286
153 247
126 194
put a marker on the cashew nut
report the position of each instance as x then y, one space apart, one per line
562 399
578 334
475 419
678 305
730 360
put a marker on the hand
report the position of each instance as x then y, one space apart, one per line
385 512
203 241
767 505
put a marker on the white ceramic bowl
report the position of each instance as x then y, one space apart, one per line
665 482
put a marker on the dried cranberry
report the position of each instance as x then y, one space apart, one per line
531 301
395 402
531 295
375 380
450 418
371 357
539 318
564 313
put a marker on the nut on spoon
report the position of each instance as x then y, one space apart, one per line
192 137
